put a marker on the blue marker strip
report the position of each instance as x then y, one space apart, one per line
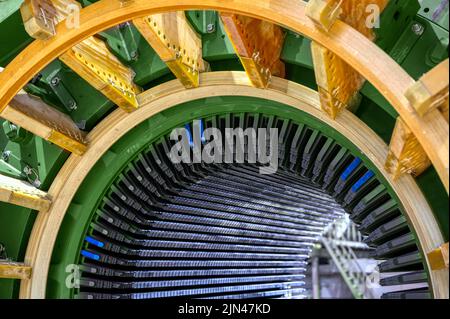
95 242
90 255
350 168
189 133
202 132
362 181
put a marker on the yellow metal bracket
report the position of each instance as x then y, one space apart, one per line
92 60
406 155
258 45
176 43
338 82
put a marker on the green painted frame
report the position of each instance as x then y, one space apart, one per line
80 213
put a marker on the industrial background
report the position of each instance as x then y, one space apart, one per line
92 207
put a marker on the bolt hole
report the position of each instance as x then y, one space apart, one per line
396 15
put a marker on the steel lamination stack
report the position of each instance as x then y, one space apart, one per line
92 206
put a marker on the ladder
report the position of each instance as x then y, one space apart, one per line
345 258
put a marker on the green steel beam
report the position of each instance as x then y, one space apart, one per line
8 7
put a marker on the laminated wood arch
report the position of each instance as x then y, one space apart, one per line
157 99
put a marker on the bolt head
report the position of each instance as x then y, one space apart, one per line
55 81
72 105
134 55
417 28
210 28
6 155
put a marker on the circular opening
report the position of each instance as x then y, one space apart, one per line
164 229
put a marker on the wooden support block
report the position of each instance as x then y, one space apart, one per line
360 14
438 258
258 44
338 82
176 43
23 194
431 91
92 60
14 270
406 155
39 18
444 109
324 13
32 114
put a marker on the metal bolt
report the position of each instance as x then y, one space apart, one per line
55 81
32 176
27 170
6 155
210 28
72 105
13 126
133 55
3 254
417 28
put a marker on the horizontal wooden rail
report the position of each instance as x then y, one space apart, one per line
35 116
23 194
13 270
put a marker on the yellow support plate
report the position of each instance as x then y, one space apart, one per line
92 60
177 44
258 44
338 82
406 155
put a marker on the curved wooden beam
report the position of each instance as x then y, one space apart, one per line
371 62
172 93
